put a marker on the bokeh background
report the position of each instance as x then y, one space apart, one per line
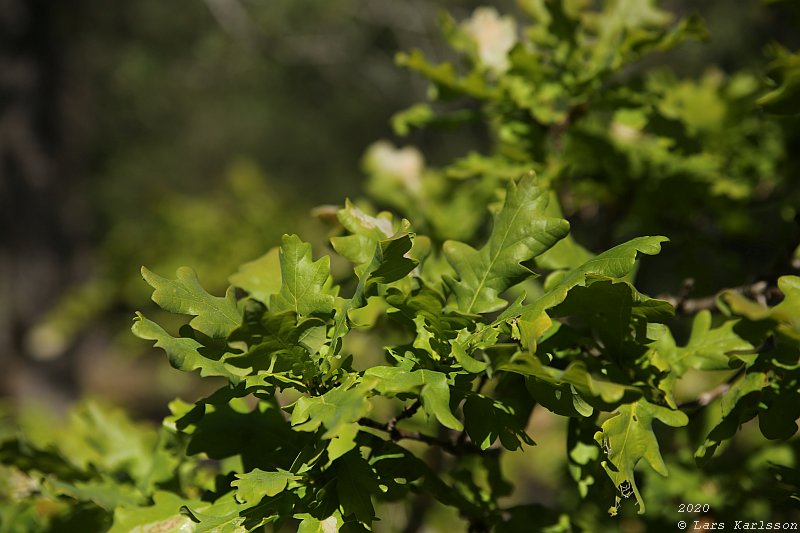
197 133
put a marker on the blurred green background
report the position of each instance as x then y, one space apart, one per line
165 134
196 133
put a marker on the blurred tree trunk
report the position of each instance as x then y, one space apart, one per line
36 243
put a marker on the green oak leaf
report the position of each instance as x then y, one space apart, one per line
164 515
786 315
304 282
389 263
222 516
467 342
615 264
615 311
566 253
708 348
628 438
279 343
521 232
338 411
213 315
184 353
355 483
309 524
252 486
261 278
431 387
598 392
487 419
736 406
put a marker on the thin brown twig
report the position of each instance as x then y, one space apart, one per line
759 291
408 412
694 406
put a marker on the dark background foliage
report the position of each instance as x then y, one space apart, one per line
197 133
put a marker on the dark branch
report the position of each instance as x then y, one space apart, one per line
408 412
453 448
759 291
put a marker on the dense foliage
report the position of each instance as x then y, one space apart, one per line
409 357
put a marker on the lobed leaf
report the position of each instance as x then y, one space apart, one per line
163 516
183 352
431 387
615 263
261 278
628 438
253 486
303 281
214 316
600 393
521 232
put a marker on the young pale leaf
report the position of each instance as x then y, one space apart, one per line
303 281
628 436
183 353
365 232
309 524
261 278
214 316
786 314
521 231
255 485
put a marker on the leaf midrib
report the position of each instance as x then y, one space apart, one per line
493 260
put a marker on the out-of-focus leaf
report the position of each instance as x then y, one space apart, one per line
784 99
164 515
261 278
